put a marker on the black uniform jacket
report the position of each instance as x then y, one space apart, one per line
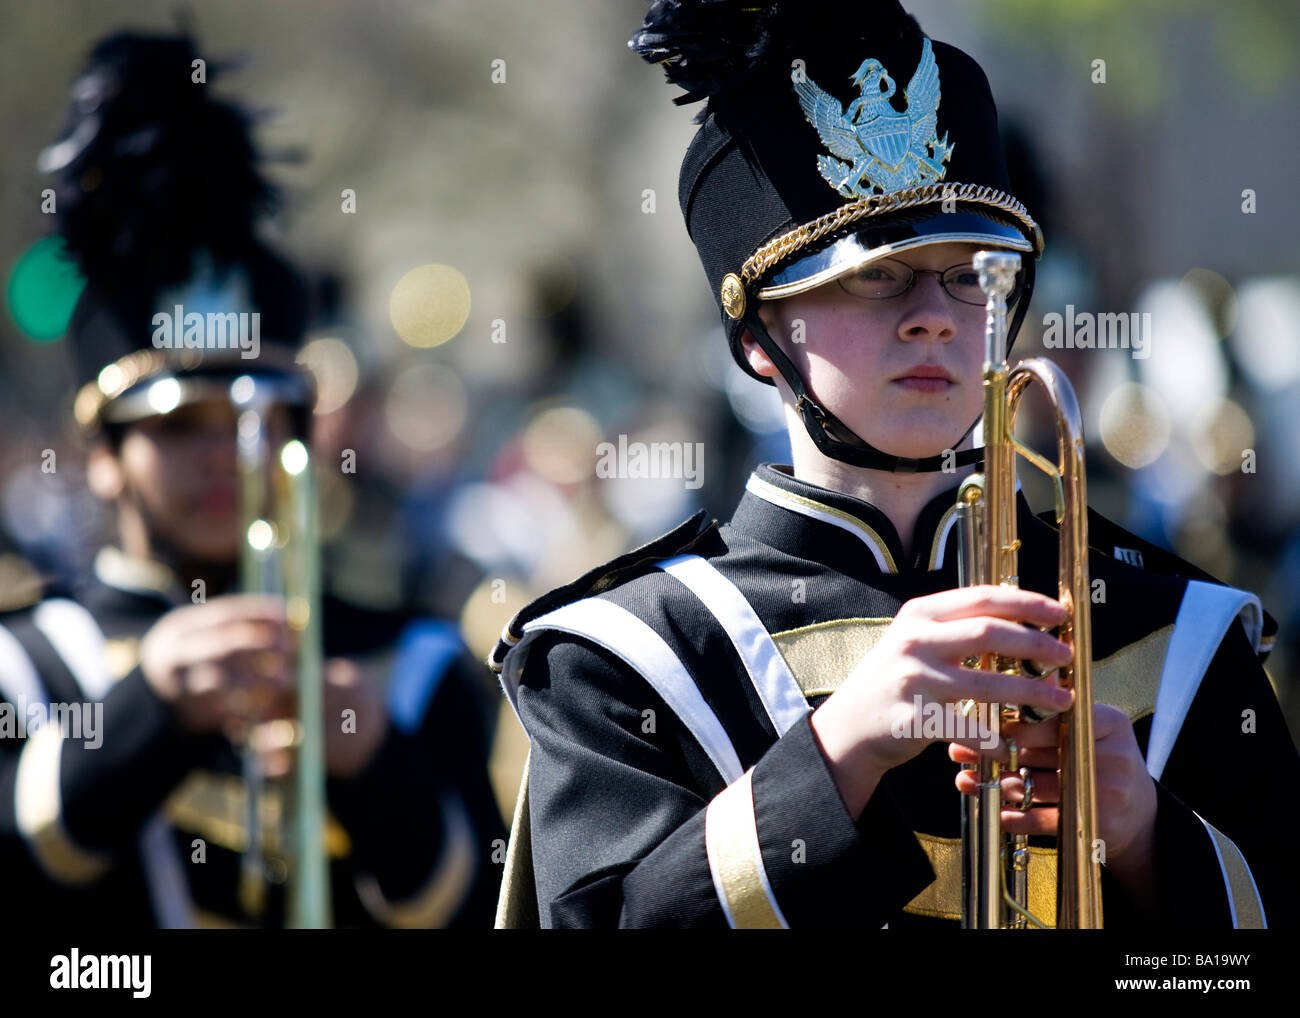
674 779
119 818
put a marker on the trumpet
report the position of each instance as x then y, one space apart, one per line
995 867
280 555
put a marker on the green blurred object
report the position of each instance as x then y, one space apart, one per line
43 290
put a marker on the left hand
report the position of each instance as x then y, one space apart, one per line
1126 794
350 742
348 686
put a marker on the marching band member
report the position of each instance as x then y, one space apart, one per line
727 725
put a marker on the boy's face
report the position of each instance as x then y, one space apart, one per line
181 470
860 357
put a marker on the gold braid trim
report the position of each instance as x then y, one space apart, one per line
782 247
141 365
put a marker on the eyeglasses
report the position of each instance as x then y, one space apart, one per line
890 278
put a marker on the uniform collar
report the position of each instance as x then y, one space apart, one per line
115 568
830 526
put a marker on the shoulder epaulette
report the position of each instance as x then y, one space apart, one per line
676 542
1111 539
22 585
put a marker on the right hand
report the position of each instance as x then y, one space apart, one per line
921 655
222 664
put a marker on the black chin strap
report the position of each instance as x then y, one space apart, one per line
834 438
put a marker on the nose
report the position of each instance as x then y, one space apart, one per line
217 450
928 312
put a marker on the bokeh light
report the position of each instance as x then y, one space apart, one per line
1223 434
426 407
1266 341
429 305
43 290
334 367
559 444
1134 425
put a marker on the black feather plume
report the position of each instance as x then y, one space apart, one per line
152 167
721 50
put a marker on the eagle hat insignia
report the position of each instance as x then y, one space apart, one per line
876 145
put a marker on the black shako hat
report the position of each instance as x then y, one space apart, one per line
835 133
160 197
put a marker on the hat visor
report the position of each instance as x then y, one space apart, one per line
227 380
879 240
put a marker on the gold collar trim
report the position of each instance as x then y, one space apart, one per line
769 492
116 568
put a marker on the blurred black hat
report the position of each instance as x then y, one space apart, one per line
160 197
834 133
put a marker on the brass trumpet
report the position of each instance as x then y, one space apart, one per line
280 555
995 868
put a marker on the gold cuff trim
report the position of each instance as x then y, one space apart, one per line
434 905
736 861
782 247
1244 901
38 807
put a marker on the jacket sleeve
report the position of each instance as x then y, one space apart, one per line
72 804
1225 793
625 834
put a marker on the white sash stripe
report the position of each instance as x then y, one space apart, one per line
620 632
18 677
782 698
76 637
1206 612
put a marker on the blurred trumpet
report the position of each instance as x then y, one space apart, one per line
280 554
995 868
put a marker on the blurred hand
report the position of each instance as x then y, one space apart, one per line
221 665
351 741
348 686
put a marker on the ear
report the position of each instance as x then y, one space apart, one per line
757 357
104 473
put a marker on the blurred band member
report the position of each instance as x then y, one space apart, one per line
139 814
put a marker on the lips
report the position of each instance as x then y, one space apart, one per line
222 500
925 378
